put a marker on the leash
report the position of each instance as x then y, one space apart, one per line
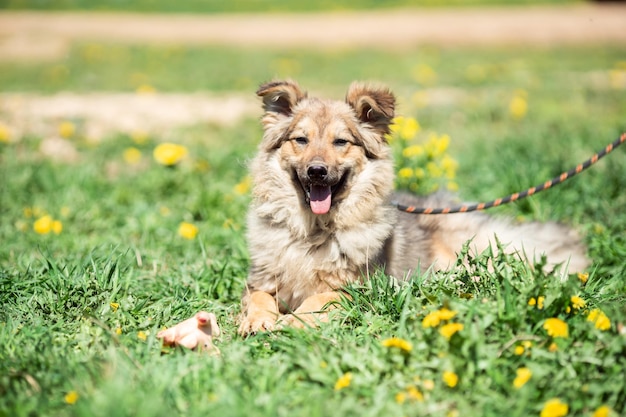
517 196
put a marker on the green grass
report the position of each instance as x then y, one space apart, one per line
119 264
247 6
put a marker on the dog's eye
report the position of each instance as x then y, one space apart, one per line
301 141
340 142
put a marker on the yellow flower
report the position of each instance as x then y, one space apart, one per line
602 411
396 342
577 302
47 224
405 127
556 327
71 397
405 172
434 318
5 133
343 381
583 277
448 330
554 408
67 129
114 306
244 186
450 378
519 350
599 319
118 330
132 155
400 397
57 227
414 394
518 106
537 302
169 153
553 347
187 230
141 335
412 151
522 377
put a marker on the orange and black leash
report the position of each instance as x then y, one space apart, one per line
517 196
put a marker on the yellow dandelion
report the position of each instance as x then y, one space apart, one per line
187 230
5 133
450 378
57 227
71 397
132 155
577 302
405 173
66 129
522 377
343 381
556 327
406 128
413 151
396 342
141 335
599 319
583 277
118 331
414 394
448 330
532 301
554 408
519 350
169 154
518 106
243 187
602 411
400 397
114 306
43 225
434 318
553 347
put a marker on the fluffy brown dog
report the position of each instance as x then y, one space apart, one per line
321 216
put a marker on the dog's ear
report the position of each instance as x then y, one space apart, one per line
372 105
280 96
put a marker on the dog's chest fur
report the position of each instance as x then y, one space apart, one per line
295 253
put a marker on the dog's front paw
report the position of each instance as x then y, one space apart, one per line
196 332
302 320
259 322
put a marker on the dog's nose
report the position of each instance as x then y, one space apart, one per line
317 172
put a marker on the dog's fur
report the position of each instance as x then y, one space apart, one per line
321 214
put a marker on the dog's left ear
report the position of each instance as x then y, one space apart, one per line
372 105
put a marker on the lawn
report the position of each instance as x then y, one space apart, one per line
93 262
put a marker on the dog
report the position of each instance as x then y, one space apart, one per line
321 215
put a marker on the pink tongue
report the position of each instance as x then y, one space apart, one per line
320 199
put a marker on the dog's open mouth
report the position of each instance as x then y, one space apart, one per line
320 197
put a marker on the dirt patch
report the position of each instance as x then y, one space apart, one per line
104 113
38 35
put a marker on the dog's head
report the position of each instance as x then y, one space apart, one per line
325 144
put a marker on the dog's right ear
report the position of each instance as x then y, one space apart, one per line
280 96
